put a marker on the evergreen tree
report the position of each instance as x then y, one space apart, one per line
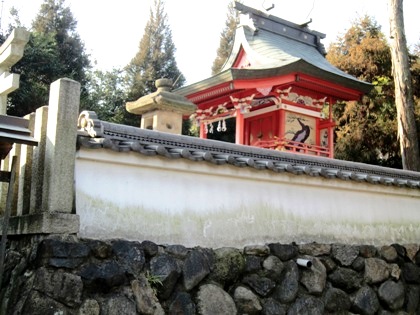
367 130
56 18
155 58
54 51
227 37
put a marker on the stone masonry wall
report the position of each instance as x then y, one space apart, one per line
79 276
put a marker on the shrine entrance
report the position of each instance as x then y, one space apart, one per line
261 128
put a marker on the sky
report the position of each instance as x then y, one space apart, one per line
112 30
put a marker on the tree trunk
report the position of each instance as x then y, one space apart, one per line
407 132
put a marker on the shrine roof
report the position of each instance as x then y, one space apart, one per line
121 138
276 47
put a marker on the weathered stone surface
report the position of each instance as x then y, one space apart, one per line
13 298
412 250
102 284
389 253
39 304
392 294
257 250
117 305
101 277
13 259
315 249
400 250
367 251
273 267
58 253
229 264
365 301
283 251
358 264
182 304
130 255
376 270
64 287
329 263
306 305
314 278
395 271
346 279
100 249
273 307
344 254
261 285
59 161
213 300
90 307
246 301
146 300
167 270
150 249
336 300
412 298
287 289
253 263
195 269
178 251
411 273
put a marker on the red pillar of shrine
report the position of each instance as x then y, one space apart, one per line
203 134
239 136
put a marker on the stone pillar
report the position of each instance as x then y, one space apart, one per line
60 146
25 173
40 135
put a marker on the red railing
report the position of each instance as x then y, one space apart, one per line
293 146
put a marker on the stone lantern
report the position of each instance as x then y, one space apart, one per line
162 110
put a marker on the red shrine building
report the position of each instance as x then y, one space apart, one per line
276 89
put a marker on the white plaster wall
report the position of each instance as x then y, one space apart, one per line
132 196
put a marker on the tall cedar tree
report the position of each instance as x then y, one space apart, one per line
227 37
54 51
367 130
155 58
404 101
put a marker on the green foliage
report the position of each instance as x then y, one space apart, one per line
37 69
227 37
154 281
367 130
107 95
155 58
363 51
54 51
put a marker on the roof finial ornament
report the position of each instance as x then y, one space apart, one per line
306 23
268 9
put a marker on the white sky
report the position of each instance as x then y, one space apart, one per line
112 30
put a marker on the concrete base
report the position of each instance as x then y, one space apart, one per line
43 223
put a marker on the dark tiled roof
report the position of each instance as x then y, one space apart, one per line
123 138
